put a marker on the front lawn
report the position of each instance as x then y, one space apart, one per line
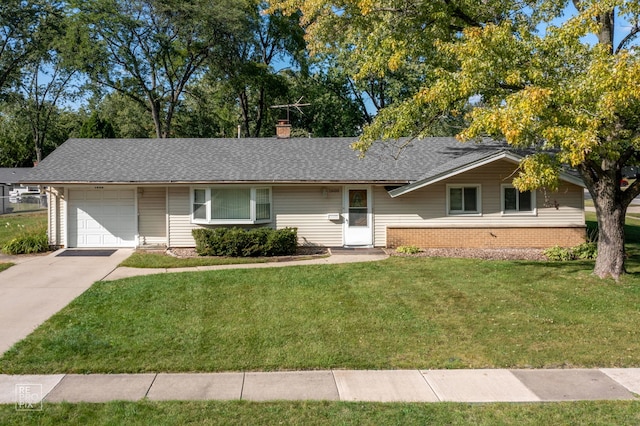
158 260
397 313
142 259
323 413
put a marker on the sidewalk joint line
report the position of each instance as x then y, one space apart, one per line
424 377
44 397
146 394
335 383
244 375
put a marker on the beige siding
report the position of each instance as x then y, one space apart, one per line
180 225
57 213
152 216
302 207
306 208
426 207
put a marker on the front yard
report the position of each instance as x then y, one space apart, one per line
398 313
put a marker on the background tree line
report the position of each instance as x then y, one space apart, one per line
169 68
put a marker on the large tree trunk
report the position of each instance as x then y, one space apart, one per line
611 253
611 209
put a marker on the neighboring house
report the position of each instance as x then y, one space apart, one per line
437 192
10 189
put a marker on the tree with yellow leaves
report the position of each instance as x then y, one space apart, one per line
559 77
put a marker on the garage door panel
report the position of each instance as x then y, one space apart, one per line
102 218
110 210
126 211
94 195
91 225
94 240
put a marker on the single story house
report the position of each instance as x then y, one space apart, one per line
437 192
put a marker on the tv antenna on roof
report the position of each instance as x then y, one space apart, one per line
295 105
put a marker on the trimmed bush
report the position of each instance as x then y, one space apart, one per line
238 242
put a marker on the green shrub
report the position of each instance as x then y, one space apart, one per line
408 249
584 251
238 242
27 242
559 254
282 242
592 232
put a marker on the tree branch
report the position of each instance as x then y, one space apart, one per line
456 12
634 31
578 5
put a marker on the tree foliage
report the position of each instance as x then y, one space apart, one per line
16 132
551 76
96 127
149 50
248 61
25 32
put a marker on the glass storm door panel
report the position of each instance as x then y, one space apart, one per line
358 226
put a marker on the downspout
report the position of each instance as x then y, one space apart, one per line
167 217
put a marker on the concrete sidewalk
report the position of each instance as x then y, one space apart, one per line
336 256
498 385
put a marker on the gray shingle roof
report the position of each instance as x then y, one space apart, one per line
253 160
13 174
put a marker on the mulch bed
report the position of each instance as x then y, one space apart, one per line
484 253
300 252
487 254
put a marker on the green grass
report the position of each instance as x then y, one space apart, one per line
4 266
323 413
157 260
12 225
398 313
143 259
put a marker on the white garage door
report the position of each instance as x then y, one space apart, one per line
102 218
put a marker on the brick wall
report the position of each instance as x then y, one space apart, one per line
486 237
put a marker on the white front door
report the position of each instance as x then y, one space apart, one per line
358 229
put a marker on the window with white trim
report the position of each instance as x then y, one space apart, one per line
514 201
463 199
231 205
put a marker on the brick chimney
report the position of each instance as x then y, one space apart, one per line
283 129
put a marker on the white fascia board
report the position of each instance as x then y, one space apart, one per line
509 156
446 175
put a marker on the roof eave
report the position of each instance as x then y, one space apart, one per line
503 155
230 182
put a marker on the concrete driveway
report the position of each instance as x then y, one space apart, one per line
38 287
